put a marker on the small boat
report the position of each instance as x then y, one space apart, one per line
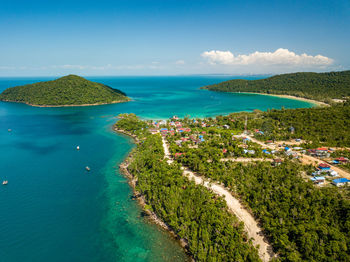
78 147
9 130
87 168
5 182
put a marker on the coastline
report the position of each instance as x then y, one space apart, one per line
96 104
315 102
152 216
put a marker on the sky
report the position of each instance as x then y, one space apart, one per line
173 37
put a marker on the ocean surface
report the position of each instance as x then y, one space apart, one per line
53 209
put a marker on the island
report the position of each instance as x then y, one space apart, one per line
325 87
70 90
249 186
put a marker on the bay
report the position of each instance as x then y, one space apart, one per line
53 209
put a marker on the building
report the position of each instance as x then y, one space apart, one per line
340 181
342 160
277 162
319 180
324 167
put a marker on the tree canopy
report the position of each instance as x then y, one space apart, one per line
67 90
318 86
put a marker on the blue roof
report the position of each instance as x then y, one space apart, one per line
286 148
340 180
316 178
163 129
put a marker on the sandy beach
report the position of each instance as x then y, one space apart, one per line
96 104
315 102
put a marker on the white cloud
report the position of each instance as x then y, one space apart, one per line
180 62
279 57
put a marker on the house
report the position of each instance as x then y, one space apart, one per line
342 160
318 180
153 130
250 152
340 181
224 150
226 126
333 173
266 152
178 154
322 152
324 167
292 129
277 162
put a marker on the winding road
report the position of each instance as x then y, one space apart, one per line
250 224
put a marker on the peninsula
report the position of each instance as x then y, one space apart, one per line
325 87
70 90
259 186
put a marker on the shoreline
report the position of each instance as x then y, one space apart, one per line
311 101
96 104
152 216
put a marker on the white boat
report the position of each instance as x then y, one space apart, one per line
78 147
5 182
87 168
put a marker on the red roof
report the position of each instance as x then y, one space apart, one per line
179 154
324 165
342 159
322 149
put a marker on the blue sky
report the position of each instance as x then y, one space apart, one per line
172 37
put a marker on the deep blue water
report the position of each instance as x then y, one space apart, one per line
53 209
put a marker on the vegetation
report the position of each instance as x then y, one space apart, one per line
322 126
302 222
67 90
318 86
194 213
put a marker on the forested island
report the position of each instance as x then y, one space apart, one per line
317 86
70 90
270 161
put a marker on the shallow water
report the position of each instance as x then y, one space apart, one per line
53 209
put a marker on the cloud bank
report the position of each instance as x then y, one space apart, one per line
281 56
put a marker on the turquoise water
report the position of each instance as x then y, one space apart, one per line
53 209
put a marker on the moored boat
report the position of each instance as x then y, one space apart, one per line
5 182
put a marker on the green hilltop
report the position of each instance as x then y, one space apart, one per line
69 90
318 86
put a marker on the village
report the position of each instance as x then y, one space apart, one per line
219 141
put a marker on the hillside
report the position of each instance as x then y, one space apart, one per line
317 86
66 91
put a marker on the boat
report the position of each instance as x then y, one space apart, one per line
5 182
87 168
9 130
78 147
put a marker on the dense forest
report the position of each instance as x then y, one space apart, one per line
303 222
194 213
67 90
318 86
322 126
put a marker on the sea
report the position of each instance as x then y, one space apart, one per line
53 209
